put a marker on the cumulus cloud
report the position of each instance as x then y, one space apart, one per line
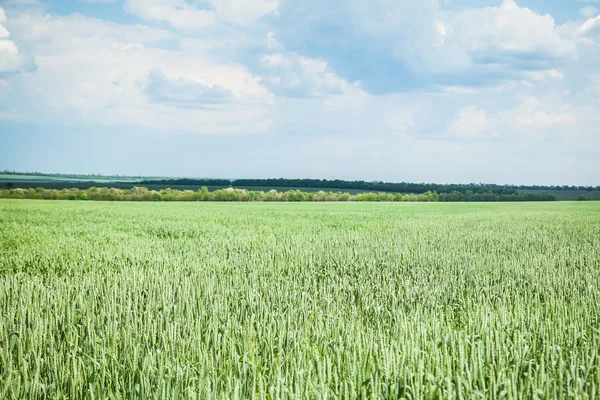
508 35
532 113
404 45
10 59
591 29
51 33
244 11
98 72
181 92
374 67
197 15
472 122
533 117
391 84
595 79
290 74
588 12
375 42
178 13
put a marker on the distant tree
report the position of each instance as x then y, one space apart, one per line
344 196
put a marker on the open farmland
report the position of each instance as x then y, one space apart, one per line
275 300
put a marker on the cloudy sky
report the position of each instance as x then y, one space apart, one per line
397 90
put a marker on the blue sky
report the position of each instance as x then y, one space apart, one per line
497 91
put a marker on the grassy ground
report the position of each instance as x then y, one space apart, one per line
344 300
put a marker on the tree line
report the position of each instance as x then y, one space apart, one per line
402 187
139 193
376 186
71 176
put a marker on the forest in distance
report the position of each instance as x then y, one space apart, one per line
18 178
378 186
322 189
140 193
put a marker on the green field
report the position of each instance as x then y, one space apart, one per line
304 300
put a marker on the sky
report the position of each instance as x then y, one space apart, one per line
445 91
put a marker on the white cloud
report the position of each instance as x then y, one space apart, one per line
9 56
399 121
178 13
244 11
446 41
198 15
97 72
181 92
487 82
460 89
472 122
106 73
409 31
411 43
534 117
508 34
543 75
10 59
532 113
588 12
50 34
591 28
595 79
290 74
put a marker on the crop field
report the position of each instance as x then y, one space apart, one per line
302 300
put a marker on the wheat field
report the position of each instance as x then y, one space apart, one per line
300 301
